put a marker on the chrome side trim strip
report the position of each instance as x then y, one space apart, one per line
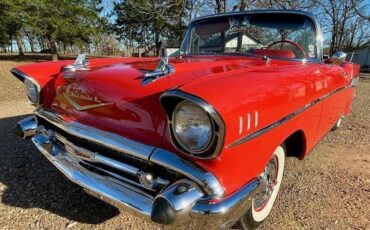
107 139
22 76
282 120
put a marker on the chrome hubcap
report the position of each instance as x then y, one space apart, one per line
269 177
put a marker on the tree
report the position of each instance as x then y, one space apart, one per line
340 19
67 21
13 19
360 6
145 23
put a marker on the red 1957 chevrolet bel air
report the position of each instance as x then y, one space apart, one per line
199 136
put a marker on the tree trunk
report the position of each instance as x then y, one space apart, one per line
18 39
53 50
157 44
31 41
243 5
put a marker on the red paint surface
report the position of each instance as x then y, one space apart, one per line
234 86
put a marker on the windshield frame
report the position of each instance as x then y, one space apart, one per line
185 46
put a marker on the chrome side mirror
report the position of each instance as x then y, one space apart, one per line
338 58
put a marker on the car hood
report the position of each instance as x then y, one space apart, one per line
110 95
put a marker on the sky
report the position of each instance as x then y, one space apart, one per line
108 6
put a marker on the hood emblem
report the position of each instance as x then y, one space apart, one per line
93 102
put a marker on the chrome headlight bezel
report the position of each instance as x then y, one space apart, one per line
35 99
31 90
171 99
180 139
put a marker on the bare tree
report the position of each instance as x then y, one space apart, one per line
340 19
360 6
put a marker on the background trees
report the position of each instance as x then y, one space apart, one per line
52 25
144 24
139 27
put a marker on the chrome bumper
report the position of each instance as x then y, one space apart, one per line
195 197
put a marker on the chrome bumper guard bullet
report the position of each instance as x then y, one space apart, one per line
197 196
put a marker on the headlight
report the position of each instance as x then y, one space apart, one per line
31 90
192 127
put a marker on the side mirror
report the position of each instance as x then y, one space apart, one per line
338 58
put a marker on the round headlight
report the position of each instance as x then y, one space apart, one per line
192 127
31 90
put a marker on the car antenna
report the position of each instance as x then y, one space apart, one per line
267 59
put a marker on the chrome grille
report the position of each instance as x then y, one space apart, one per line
117 166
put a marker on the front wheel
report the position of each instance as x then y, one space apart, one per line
262 203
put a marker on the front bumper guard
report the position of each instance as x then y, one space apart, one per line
178 203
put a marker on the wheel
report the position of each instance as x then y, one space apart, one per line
338 124
262 203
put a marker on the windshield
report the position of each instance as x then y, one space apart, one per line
288 36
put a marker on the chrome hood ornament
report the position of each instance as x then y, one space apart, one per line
163 69
81 63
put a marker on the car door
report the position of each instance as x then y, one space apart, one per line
333 98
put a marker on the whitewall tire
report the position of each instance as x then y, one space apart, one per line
263 202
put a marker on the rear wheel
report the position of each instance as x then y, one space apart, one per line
263 202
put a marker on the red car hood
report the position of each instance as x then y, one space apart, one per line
110 96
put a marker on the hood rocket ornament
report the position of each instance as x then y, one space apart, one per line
163 69
81 63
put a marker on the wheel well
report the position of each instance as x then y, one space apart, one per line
295 145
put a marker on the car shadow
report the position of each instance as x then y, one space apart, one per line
32 182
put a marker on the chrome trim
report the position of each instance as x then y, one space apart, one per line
219 135
98 136
81 63
282 120
22 76
28 126
84 107
181 195
108 190
226 212
206 180
163 69
94 157
319 36
354 82
187 200
182 145
338 58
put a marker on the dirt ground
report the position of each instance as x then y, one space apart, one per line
330 189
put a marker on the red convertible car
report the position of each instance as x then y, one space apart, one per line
201 136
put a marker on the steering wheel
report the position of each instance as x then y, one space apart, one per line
292 43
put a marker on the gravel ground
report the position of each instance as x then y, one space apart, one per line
330 189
